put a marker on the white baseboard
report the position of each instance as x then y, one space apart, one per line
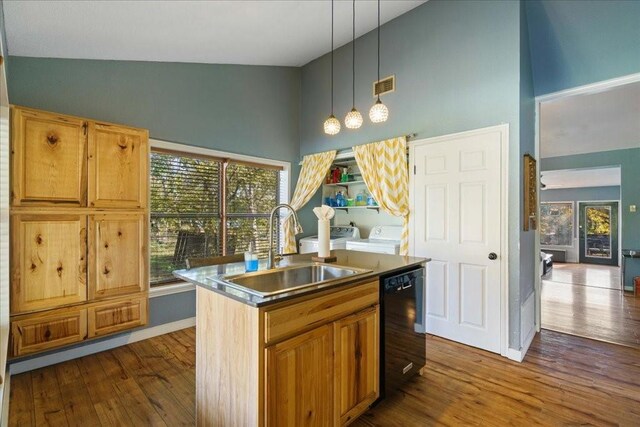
527 329
92 348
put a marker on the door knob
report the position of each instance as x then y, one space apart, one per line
493 256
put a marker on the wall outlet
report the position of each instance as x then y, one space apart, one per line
632 208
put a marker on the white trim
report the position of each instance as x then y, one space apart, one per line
170 289
504 241
579 90
589 88
183 148
97 347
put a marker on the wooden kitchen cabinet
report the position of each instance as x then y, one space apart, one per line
299 375
30 334
48 159
308 361
114 316
117 254
118 166
48 260
357 364
79 229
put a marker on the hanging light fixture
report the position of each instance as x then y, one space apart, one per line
379 112
353 119
331 125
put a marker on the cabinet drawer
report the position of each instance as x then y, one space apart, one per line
117 316
297 317
30 334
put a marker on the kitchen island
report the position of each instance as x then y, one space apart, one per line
310 356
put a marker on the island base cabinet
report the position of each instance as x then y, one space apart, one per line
357 361
300 380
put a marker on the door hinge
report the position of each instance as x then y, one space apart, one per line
84 128
414 169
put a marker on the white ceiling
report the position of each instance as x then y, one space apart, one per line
603 121
579 178
287 33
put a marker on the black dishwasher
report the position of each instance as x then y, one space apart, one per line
402 339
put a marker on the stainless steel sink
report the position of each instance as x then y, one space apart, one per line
272 282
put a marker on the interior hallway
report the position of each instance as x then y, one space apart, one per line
586 300
564 380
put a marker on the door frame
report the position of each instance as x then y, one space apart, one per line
618 222
538 100
503 129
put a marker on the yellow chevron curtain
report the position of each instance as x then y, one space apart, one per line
314 170
385 172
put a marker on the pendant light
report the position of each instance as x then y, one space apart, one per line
331 125
353 120
379 112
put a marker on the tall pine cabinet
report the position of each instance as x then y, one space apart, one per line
79 229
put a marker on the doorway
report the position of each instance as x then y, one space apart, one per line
598 233
588 221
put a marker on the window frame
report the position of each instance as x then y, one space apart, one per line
573 223
158 145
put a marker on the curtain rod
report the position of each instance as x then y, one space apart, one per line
348 152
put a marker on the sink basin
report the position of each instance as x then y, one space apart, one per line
272 282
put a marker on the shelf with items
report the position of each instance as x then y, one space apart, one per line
344 184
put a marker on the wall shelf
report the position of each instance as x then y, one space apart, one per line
344 184
346 208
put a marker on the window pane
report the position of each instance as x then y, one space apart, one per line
252 192
185 212
556 224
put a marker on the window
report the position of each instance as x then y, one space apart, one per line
209 206
556 223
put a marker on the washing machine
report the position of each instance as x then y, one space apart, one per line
339 235
383 239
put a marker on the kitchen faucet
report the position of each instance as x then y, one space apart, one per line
296 225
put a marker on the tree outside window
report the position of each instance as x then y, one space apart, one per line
556 223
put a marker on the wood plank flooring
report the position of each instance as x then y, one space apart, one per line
564 380
597 276
586 300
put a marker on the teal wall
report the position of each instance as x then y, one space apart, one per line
527 145
238 109
574 43
629 161
458 66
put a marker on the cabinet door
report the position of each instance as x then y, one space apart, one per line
300 380
115 316
117 255
48 261
118 165
30 334
48 159
357 358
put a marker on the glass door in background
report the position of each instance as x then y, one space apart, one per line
599 233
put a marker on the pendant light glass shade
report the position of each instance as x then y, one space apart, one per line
332 125
379 112
353 120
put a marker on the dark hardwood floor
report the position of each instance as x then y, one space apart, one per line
564 380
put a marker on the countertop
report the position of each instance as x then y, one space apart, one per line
379 264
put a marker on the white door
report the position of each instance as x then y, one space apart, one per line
457 213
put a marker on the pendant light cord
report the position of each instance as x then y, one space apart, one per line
353 56
378 48
332 57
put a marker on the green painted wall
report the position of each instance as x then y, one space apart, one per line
629 162
238 109
459 65
580 42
